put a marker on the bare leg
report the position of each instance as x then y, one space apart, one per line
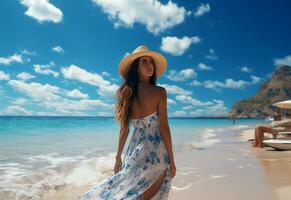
261 131
154 188
255 144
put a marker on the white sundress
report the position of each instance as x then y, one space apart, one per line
144 162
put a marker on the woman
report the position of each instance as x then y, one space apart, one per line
148 164
260 130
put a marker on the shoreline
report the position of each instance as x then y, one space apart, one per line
220 164
233 170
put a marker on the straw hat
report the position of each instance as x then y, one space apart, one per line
160 61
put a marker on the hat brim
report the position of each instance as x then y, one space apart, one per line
160 62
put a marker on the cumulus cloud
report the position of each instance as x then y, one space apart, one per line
177 46
58 49
202 10
182 75
215 109
75 93
51 97
28 52
73 72
24 76
45 69
37 91
228 83
173 89
4 76
10 59
246 69
108 91
202 66
154 15
195 83
17 110
283 61
255 79
19 101
191 100
211 55
171 101
42 10
179 113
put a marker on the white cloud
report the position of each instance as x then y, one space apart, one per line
24 76
195 83
173 89
104 73
255 79
179 113
4 76
202 66
187 107
37 91
283 61
157 17
181 75
16 110
14 58
246 69
176 46
212 109
19 101
50 97
29 53
212 55
106 89
202 9
74 72
58 49
171 101
216 109
45 69
228 83
42 10
75 93
191 100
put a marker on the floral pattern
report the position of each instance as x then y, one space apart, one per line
144 162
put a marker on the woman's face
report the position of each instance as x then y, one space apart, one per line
145 66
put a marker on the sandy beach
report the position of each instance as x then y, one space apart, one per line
232 169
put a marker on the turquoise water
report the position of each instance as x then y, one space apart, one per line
54 152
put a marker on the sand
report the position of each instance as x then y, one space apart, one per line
233 170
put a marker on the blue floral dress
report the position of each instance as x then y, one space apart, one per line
144 162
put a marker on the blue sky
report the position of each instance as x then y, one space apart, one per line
60 57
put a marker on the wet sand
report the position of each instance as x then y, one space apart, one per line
233 169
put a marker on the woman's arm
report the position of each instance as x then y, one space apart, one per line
124 130
164 126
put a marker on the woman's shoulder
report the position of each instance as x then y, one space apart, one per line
159 90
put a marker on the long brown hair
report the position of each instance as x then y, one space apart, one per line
128 91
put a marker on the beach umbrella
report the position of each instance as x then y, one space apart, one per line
283 104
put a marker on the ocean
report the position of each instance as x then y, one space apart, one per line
43 155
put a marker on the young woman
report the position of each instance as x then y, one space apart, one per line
148 165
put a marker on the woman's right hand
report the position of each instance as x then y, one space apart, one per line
118 164
173 169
